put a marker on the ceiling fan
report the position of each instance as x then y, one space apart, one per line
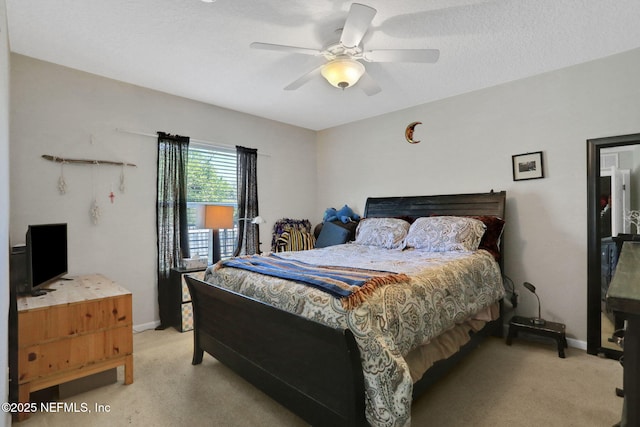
343 68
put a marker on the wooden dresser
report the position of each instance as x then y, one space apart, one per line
82 328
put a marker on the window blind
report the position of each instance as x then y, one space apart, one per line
211 180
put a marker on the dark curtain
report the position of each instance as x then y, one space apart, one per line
171 220
248 234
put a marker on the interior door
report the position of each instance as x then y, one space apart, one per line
617 202
620 198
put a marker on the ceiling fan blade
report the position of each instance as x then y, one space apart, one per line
368 85
304 79
285 49
357 24
402 55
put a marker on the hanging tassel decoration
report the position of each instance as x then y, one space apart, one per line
94 212
122 180
62 183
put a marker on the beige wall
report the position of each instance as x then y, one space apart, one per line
467 144
4 207
68 113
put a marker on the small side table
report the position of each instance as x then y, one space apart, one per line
549 329
181 307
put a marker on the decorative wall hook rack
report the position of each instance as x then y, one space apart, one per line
85 161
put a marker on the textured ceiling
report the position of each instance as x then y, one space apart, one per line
201 50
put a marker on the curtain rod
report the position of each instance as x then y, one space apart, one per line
202 141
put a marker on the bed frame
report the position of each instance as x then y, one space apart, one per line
312 369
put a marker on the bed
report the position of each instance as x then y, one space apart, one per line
329 368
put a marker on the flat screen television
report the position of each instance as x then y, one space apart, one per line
46 255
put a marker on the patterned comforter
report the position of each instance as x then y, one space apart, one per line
445 289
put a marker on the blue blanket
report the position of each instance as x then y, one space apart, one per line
350 285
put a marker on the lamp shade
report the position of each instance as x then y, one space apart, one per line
343 72
218 217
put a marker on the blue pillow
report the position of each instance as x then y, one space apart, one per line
332 234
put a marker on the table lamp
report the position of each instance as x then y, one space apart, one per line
217 217
538 321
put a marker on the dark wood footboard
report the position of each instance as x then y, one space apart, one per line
312 369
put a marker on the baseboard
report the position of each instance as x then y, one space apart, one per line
147 326
572 342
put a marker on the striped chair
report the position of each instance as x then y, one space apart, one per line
292 235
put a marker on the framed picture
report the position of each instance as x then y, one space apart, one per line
527 166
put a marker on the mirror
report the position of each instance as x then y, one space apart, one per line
613 189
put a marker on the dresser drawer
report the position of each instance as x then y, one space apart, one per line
185 289
56 357
187 317
61 321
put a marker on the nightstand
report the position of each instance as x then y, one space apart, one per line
181 307
549 329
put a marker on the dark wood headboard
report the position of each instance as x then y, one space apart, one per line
492 203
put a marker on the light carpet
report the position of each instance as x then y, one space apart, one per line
522 385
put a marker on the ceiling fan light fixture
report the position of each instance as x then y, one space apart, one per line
342 72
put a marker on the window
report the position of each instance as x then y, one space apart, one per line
211 179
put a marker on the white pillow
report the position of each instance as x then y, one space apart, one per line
445 233
383 232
